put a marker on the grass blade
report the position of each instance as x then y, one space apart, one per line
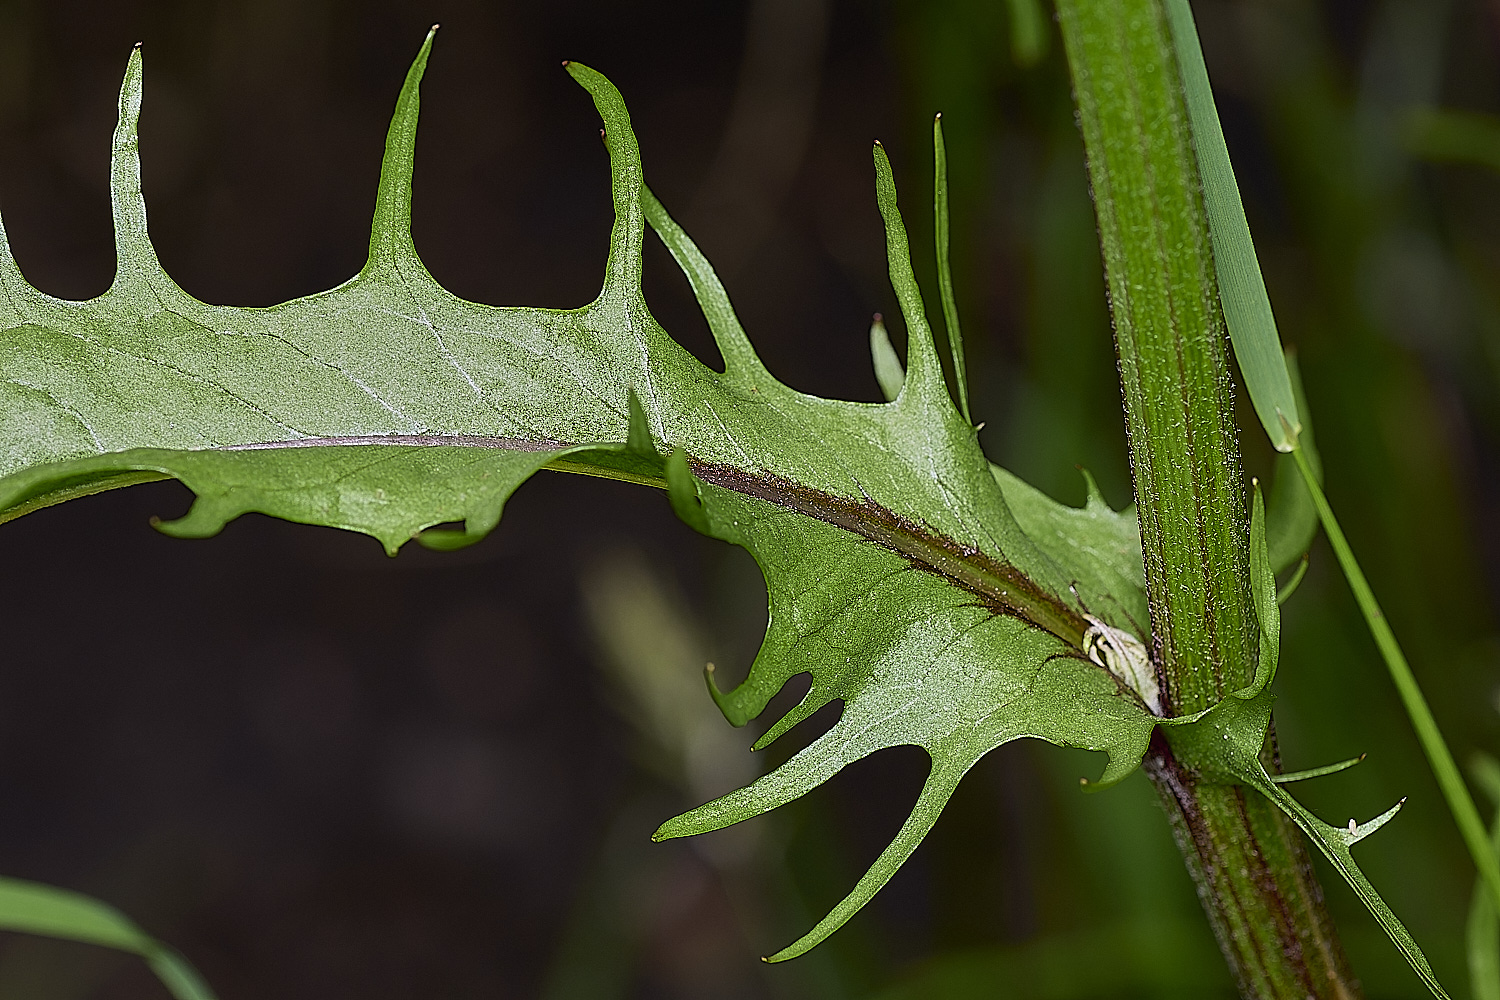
1242 290
45 910
1460 803
945 272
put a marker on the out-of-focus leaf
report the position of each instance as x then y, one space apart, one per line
1164 961
33 908
1483 931
1028 31
1443 135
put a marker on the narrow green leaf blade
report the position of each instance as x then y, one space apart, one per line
34 908
945 269
1434 746
1242 290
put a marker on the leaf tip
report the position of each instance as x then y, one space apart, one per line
390 235
725 704
134 255
638 430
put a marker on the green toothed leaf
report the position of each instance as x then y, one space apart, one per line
899 578
914 660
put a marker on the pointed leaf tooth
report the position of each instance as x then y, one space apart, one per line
1316 772
813 765
622 274
1093 496
1363 830
935 794
682 492
1117 767
730 705
390 232
924 374
740 704
740 359
638 433
1334 843
135 257
811 702
204 519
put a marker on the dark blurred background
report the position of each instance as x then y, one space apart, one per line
322 773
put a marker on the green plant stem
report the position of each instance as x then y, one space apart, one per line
1248 861
1460 802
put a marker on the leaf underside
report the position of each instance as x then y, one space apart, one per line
942 601
898 576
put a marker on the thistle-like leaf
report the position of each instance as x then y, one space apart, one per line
899 576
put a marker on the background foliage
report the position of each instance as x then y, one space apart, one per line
321 772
